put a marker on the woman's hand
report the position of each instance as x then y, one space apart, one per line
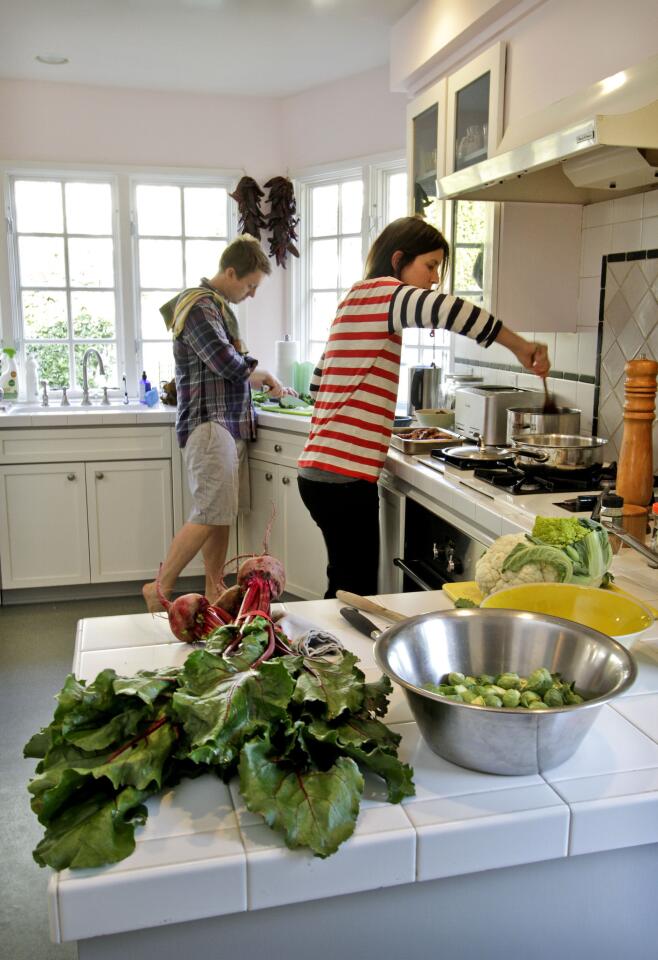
531 355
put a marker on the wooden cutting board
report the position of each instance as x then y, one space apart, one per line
469 590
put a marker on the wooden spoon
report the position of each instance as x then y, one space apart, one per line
369 606
550 406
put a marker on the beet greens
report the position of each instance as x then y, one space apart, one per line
298 729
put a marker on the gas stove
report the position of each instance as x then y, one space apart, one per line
537 480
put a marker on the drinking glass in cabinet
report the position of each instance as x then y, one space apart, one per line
471 126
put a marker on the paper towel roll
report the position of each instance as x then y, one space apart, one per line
286 354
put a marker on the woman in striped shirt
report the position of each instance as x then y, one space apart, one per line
355 389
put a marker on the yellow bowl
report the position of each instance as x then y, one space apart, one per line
612 613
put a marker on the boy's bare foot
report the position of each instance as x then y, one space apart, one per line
150 594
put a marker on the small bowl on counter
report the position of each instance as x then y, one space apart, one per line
511 742
607 611
435 418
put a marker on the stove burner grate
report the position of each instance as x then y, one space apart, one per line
519 480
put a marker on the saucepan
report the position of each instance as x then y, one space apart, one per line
532 420
558 451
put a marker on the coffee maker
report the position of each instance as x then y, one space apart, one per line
424 388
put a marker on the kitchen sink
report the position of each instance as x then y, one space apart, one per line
35 409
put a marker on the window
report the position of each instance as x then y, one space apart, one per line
65 268
341 214
180 233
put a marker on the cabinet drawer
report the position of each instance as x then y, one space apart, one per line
277 448
77 444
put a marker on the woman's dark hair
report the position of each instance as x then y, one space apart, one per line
413 236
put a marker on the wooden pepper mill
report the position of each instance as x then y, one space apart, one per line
635 468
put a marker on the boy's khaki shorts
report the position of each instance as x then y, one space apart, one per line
217 475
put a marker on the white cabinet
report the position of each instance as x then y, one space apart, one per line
391 535
475 109
69 523
130 518
69 516
426 136
294 538
43 525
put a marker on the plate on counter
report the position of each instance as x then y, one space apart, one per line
414 440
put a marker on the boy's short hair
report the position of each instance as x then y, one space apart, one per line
245 255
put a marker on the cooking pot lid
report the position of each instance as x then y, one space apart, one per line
480 453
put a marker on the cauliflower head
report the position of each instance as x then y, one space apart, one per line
511 561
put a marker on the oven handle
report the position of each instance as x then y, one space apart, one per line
410 573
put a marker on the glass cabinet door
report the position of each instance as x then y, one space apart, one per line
475 109
426 120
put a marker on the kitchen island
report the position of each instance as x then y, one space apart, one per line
473 865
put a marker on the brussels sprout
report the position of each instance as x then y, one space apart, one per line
491 700
553 698
511 698
455 678
496 690
468 696
508 681
569 695
485 679
540 680
469 681
528 697
478 702
537 705
455 697
460 688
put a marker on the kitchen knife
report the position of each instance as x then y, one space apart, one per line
360 623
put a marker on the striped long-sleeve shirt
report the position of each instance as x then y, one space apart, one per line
355 384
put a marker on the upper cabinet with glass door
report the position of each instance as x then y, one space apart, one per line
426 130
475 110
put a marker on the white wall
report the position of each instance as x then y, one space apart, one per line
57 123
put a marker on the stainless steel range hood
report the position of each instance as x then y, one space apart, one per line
598 144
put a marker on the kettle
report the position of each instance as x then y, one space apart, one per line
424 388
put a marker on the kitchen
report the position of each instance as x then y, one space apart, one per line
74 125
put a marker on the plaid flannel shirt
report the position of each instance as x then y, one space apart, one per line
212 378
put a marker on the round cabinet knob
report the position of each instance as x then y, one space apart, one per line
268 476
70 476
278 448
99 476
285 480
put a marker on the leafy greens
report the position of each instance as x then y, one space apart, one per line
297 730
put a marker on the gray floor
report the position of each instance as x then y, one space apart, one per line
36 652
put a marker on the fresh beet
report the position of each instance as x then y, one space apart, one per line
266 567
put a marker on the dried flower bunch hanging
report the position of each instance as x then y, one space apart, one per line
282 220
247 195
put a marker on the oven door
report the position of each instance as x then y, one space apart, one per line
435 551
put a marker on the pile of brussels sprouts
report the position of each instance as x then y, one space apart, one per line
540 691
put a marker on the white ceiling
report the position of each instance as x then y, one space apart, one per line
255 47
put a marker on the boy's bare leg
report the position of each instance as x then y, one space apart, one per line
184 547
214 558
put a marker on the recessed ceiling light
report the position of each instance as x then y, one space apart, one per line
51 59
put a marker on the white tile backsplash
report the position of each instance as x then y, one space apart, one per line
588 301
650 208
627 208
597 214
650 233
626 236
596 244
566 352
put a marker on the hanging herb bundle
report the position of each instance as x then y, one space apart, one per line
247 195
282 220
297 726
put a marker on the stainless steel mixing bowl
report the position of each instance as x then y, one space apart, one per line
473 642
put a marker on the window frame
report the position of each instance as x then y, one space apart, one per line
375 173
227 182
61 176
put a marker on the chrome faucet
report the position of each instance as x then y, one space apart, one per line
86 402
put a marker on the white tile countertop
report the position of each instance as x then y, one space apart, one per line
200 837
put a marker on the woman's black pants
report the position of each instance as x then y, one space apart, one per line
348 516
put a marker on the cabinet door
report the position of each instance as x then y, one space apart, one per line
304 552
43 525
265 498
130 518
426 126
475 109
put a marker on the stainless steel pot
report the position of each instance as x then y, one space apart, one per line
424 388
558 451
531 420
